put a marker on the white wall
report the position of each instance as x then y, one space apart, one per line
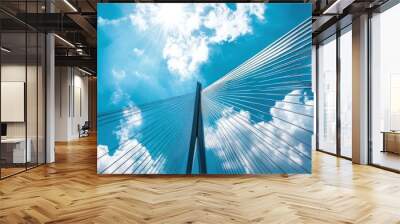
80 89
70 84
61 103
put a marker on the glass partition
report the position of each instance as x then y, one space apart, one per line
14 153
32 95
22 88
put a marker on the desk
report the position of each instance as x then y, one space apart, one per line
391 141
15 148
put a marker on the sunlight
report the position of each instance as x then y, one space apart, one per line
171 16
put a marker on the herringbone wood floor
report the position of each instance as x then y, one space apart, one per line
70 191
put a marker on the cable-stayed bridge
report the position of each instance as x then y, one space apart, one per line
256 119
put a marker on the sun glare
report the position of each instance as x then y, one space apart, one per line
171 15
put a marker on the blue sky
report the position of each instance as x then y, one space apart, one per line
149 52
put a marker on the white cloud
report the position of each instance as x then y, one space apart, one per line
132 118
138 19
138 52
252 9
104 22
268 134
292 117
133 115
229 24
183 26
118 95
131 155
118 74
140 75
127 159
184 55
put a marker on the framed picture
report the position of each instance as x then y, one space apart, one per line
204 88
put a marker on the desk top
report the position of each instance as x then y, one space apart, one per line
13 140
391 132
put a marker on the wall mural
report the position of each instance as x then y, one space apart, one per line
204 88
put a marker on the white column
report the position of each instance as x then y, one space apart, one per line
50 92
360 90
50 99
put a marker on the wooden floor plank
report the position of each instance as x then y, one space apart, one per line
70 191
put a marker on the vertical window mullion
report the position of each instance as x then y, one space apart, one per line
317 96
37 90
0 93
338 73
26 86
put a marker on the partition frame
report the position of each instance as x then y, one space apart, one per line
338 33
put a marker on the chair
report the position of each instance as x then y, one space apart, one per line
84 130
